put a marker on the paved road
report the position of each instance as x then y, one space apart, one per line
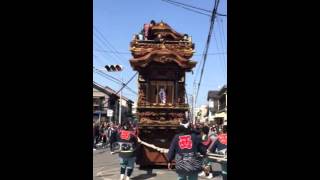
106 167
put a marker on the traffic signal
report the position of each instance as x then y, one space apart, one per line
112 68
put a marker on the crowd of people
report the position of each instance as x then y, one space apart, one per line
101 134
185 148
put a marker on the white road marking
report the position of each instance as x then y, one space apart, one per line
100 169
106 172
106 178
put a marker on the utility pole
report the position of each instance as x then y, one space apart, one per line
99 117
191 113
193 103
120 103
213 16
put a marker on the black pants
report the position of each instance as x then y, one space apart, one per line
97 139
93 143
224 177
104 139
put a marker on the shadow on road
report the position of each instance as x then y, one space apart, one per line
144 176
149 168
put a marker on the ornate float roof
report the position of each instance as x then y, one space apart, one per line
142 48
166 46
162 56
166 31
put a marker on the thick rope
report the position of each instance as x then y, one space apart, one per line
218 157
162 150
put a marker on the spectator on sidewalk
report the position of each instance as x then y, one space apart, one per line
112 129
103 134
94 136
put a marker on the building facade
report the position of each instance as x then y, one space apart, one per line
201 114
217 101
104 99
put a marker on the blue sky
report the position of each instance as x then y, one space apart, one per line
119 20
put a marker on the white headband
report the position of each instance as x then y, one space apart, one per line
185 125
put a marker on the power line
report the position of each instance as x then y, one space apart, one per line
112 50
132 91
198 69
112 56
109 44
223 47
116 52
130 96
220 35
222 57
207 45
224 37
106 77
186 8
114 79
98 59
104 43
190 8
219 57
219 14
189 109
125 84
102 38
110 79
127 95
107 57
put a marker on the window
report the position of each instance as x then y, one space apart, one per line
211 105
161 92
98 103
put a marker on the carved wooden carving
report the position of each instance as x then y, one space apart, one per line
185 50
181 93
142 94
162 61
162 56
151 117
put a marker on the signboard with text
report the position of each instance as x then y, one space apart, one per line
109 112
